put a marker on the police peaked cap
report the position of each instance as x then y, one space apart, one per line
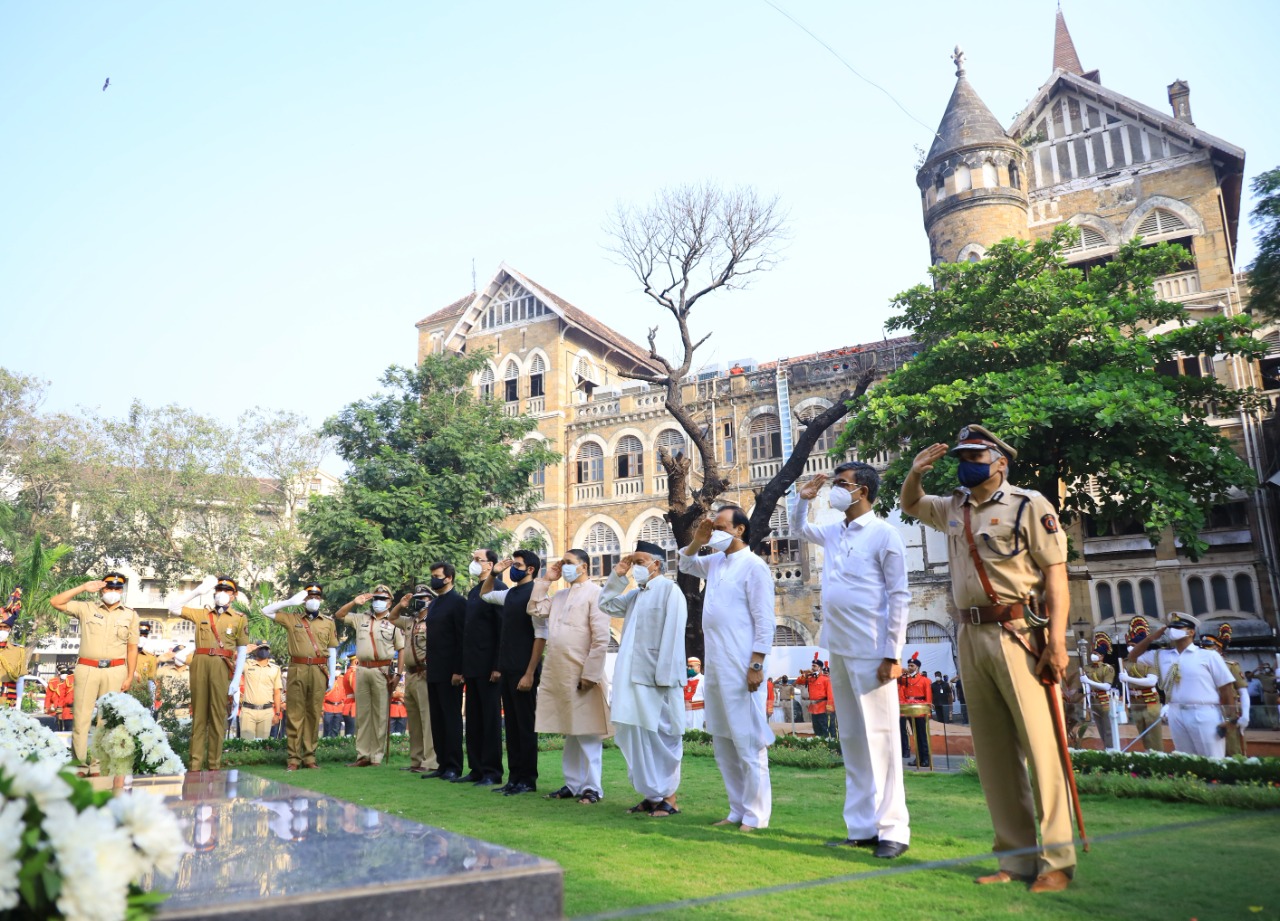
1209 641
226 582
313 588
1183 621
978 438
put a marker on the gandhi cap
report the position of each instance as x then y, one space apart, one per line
978 438
644 546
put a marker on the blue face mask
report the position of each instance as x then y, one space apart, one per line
973 474
517 575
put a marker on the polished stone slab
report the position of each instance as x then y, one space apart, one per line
266 850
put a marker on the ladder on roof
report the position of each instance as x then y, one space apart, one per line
784 415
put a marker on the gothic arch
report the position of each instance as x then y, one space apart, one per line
528 361
580 536
971 249
622 433
1188 214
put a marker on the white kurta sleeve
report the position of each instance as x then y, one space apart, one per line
800 521
760 607
698 566
615 600
672 668
497 596
893 569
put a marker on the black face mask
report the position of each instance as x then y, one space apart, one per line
436 583
419 604
517 575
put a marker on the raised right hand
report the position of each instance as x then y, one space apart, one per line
809 491
928 457
702 533
553 570
208 582
365 598
298 598
503 565
95 585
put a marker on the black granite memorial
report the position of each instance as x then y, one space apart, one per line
266 850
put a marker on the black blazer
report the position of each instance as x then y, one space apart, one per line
480 637
445 618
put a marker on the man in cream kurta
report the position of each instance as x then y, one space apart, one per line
737 626
572 697
648 703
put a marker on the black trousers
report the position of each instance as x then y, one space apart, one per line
822 725
922 738
445 703
484 727
942 712
522 742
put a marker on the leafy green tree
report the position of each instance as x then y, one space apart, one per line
434 468
27 563
1079 371
1264 273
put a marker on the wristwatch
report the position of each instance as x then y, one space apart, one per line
757 667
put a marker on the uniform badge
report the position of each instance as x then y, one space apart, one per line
1050 524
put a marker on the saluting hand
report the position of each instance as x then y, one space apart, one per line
809 491
702 533
553 570
365 598
503 565
925 460
298 598
96 585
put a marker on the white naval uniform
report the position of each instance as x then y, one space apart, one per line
865 601
737 621
648 703
1191 697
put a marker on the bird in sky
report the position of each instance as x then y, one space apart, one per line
105 85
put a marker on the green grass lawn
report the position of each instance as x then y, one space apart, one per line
613 860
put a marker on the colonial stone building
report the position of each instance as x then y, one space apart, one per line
1083 154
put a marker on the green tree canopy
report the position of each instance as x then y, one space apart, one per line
1081 372
1264 272
434 470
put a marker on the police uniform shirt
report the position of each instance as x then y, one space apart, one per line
414 630
260 683
321 627
1142 695
1199 674
1017 535
377 638
232 627
104 634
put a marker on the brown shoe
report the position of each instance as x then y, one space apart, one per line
1053 881
359 762
290 767
312 766
1003 876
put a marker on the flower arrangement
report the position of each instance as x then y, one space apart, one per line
1177 764
126 740
70 853
25 736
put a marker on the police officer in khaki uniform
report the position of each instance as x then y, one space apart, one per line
148 664
1144 699
1236 719
378 642
1098 677
1005 544
108 651
313 666
217 663
14 661
260 706
410 616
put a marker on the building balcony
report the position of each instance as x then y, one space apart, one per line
625 489
819 463
765 470
539 494
614 403
660 484
536 405
511 409
1178 287
587 492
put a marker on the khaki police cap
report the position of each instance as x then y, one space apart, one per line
978 438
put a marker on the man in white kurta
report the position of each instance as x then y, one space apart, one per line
1197 686
865 601
737 626
648 675
572 698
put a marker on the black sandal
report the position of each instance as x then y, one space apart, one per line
588 798
664 807
562 793
643 806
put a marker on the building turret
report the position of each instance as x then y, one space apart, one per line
973 181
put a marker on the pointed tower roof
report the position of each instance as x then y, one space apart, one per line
1064 49
967 121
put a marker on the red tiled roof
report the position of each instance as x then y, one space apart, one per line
453 310
836 353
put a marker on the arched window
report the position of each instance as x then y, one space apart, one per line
630 457
785 636
486 384
1090 238
533 539
1014 179
1195 592
1160 222
964 179
1221 593
591 463
766 438
511 382
939 186
1244 594
990 176
656 530
537 370
926 631
779 547
1125 591
1150 605
604 548
827 440
1106 608
675 443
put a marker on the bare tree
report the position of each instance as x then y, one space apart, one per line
687 243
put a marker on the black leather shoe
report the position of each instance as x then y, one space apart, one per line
447 775
855 842
484 782
433 773
887 850
518 788
466 778
504 788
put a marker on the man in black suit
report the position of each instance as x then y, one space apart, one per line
520 648
445 618
480 635
941 697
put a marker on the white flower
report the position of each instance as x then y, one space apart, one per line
40 781
96 860
11 829
154 829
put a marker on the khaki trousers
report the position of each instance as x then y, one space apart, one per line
210 680
303 705
255 724
1102 719
90 684
1146 716
372 710
422 749
1012 729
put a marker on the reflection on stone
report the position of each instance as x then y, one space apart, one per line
253 839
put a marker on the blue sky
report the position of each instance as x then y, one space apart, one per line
269 196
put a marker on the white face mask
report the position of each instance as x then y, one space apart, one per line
1095 658
1176 633
640 574
222 599
569 572
840 498
312 605
476 569
720 541
379 606
4 636
110 597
